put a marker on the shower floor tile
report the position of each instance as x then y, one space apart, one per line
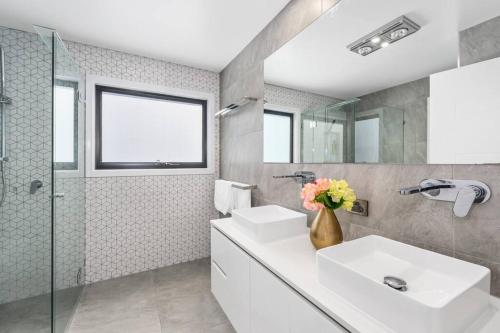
33 314
26 315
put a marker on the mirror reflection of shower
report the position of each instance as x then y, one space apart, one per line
4 100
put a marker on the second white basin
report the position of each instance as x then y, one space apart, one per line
269 223
444 294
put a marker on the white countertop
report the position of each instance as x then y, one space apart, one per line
294 261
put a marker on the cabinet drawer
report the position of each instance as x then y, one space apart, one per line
269 301
230 280
222 250
277 308
306 318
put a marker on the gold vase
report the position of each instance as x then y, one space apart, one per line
325 229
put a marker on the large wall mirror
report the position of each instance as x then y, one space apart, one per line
388 81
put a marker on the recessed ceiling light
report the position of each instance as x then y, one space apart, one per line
384 36
398 34
365 50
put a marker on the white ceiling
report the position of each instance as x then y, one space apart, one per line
318 60
206 34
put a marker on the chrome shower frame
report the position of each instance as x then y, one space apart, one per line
3 101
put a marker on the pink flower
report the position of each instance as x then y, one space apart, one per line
311 190
323 184
310 205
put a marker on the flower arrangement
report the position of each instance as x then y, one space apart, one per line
328 193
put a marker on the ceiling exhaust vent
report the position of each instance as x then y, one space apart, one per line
384 36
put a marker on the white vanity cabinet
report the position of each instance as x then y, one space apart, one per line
230 278
257 301
269 301
305 317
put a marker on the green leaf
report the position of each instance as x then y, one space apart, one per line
326 200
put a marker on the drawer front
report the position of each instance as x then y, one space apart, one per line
221 249
306 318
231 280
269 301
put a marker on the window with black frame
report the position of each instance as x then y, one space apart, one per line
65 125
278 137
144 130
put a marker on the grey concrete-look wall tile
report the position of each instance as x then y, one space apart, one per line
290 21
356 231
441 250
410 152
411 219
421 153
417 218
478 234
248 118
480 42
224 328
249 83
283 191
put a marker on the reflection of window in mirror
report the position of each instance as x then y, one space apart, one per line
278 137
65 125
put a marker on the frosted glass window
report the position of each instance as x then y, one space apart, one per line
278 137
145 130
366 141
65 130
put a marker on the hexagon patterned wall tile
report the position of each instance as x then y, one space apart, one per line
131 224
135 224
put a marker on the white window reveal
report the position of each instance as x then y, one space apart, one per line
141 130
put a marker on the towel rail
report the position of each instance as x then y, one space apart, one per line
244 187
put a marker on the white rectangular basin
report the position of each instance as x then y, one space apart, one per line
269 223
443 295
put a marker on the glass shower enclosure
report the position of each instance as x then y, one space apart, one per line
42 218
350 132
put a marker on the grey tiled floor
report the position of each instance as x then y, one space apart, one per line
171 299
33 314
26 315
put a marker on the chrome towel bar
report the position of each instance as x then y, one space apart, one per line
244 187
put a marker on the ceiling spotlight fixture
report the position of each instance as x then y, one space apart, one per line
398 34
384 36
365 50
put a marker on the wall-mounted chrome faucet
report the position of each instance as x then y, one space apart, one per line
464 193
302 177
35 185
432 188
